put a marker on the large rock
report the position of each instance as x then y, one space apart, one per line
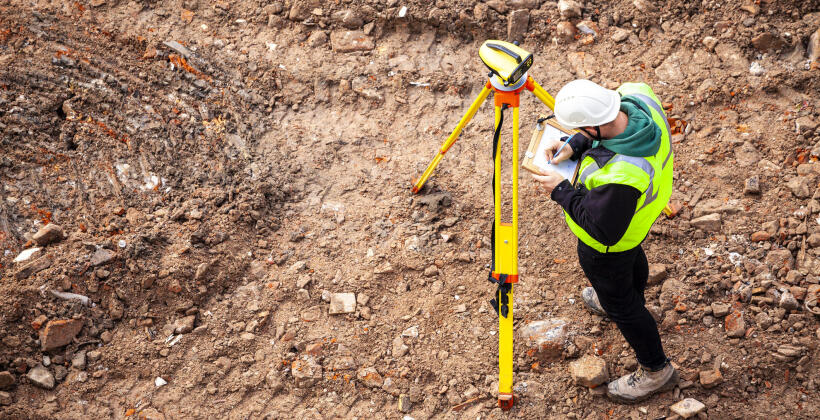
805 124
687 407
349 41
517 24
58 333
48 234
41 377
545 339
708 223
342 303
589 371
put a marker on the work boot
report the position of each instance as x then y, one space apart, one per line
642 384
592 302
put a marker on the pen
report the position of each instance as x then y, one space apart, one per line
559 151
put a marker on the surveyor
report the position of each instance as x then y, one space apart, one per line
624 181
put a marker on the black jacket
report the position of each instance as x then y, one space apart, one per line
603 212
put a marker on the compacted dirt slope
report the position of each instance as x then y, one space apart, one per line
218 175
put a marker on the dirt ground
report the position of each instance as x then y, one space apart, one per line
221 173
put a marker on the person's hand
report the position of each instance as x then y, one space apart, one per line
553 147
548 179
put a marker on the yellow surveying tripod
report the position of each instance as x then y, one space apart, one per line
508 64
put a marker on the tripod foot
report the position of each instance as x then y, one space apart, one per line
505 401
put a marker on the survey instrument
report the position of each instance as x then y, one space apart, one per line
508 64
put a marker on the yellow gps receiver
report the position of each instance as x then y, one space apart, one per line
506 60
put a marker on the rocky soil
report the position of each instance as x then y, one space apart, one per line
205 210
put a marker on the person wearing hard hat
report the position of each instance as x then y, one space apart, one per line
624 181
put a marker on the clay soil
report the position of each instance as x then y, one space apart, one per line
239 163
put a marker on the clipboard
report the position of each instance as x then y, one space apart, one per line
535 159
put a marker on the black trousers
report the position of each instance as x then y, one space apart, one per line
619 279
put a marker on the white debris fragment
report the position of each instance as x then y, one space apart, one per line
26 254
755 69
72 296
271 46
735 258
160 382
403 11
420 84
121 243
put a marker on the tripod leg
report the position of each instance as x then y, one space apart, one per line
419 183
540 93
506 267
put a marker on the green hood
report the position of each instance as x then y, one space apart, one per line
642 136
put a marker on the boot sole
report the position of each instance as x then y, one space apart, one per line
668 386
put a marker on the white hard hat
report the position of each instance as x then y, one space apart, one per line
582 103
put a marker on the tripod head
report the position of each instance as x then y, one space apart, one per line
506 60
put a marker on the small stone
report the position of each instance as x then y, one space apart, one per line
184 325
460 308
101 256
710 378
763 320
5 398
565 32
399 348
800 186
342 303
306 370
761 236
720 309
620 35
708 223
6 379
93 355
41 377
657 273
735 325
107 336
58 333
349 41
369 377
687 407
311 314
589 371
48 234
431 271
78 361
767 41
405 406
752 185
788 301
317 38
569 9
412 332
710 42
